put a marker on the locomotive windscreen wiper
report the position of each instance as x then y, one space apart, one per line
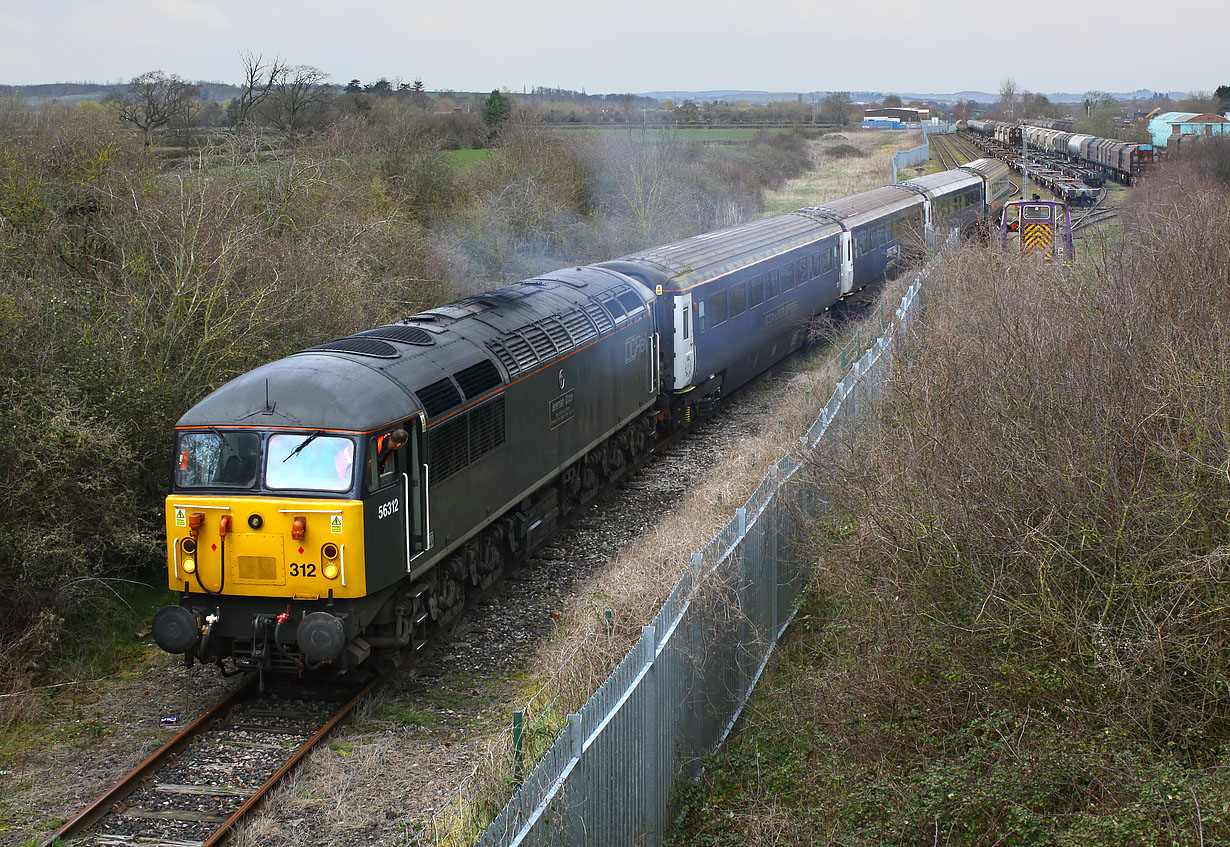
305 442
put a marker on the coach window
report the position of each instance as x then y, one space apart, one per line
755 292
801 273
770 289
778 281
787 274
738 299
717 308
700 317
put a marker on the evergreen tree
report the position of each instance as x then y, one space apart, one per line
496 110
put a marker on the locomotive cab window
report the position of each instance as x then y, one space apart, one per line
383 461
217 458
310 462
631 303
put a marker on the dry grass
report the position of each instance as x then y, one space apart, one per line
833 177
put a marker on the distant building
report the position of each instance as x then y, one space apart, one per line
1166 125
904 114
880 123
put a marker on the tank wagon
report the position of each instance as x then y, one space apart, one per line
1119 160
330 509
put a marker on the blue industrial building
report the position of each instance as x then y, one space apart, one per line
1185 124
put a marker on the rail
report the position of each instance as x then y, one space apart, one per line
210 809
607 777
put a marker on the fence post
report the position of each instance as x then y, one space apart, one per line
578 799
742 648
518 745
655 803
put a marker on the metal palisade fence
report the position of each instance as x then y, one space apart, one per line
920 154
608 776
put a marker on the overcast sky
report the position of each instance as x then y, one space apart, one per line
631 45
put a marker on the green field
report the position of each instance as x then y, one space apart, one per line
464 159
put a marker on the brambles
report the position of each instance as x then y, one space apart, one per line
1018 634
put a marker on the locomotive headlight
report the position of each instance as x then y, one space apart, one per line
189 545
189 565
330 571
255 521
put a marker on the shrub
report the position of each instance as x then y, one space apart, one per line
1043 491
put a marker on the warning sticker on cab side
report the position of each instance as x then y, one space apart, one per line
180 518
335 524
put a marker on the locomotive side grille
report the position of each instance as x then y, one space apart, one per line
521 349
559 336
543 348
580 327
438 397
478 378
486 428
601 319
507 358
448 448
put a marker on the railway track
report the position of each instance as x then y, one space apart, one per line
941 151
194 789
953 152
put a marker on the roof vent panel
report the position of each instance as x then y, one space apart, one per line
358 347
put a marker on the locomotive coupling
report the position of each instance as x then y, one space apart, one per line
176 629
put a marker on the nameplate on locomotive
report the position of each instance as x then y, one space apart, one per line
561 410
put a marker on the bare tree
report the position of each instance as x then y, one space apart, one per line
1008 90
154 98
295 101
259 80
835 108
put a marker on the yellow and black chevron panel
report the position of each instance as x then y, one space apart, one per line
1039 238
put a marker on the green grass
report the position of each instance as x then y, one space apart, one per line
809 768
111 640
463 160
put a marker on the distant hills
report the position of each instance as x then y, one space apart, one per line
219 92
736 96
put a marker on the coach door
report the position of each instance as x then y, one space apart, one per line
684 364
847 262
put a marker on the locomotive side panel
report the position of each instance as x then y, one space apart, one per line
546 419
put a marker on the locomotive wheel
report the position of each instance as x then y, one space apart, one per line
490 561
